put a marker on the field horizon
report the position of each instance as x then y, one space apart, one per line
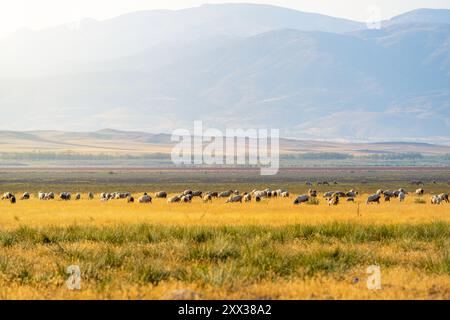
114 148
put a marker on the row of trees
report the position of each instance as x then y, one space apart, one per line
55 156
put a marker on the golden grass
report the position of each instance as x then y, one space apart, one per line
259 255
273 212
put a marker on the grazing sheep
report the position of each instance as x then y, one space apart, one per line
161 195
350 199
436 199
444 197
401 196
25 196
387 198
258 198
401 190
145 199
90 196
260 194
389 193
213 194
7 196
312 193
50 196
78 196
420 192
130 199
121 195
328 194
333 201
379 192
107 196
225 194
247 197
374 198
285 194
12 199
174 199
351 194
207 198
197 193
301 199
186 192
235 198
65 196
340 194
187 198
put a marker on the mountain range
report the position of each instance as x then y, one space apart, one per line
234 66
116 142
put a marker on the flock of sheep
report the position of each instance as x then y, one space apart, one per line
333 198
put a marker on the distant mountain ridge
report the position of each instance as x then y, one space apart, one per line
241 65
109 141
422 16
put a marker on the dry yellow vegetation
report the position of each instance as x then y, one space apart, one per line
272 212
267 250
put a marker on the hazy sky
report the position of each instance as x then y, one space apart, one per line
36 14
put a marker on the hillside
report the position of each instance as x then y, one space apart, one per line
110 141
314 77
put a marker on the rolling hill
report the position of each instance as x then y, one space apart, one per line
116 142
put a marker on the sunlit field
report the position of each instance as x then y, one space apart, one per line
269 212
266 250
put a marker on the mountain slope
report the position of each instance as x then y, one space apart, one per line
108 141
421 16
388 84
65 48
300 81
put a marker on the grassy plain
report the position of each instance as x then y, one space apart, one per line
268 250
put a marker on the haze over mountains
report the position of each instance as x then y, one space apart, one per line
234 65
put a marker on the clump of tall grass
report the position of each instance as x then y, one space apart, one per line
151 273
129 234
